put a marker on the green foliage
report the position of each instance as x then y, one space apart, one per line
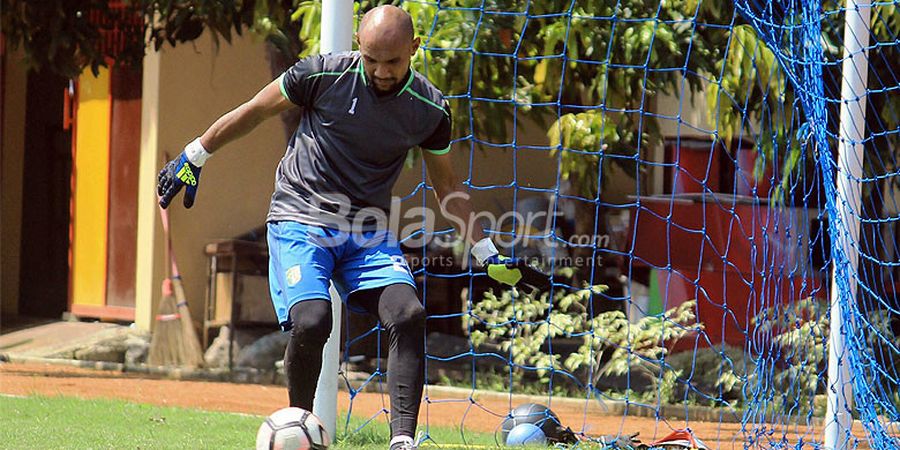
445 58
884 343
520 63
641 347
617 84
799 333
702 371
178 21
582 136
659 41
753 89
751 78
523 323
182 21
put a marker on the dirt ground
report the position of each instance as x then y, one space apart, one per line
444 410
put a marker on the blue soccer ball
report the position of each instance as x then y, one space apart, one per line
532 413
526 434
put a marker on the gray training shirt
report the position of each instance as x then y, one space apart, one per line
351 144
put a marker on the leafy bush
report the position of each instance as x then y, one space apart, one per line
702 372
522 324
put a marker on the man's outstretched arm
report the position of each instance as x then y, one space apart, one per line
184 170
452 197
455 205
243 119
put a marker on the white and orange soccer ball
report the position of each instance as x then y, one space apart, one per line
292 429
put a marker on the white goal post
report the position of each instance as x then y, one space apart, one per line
336 36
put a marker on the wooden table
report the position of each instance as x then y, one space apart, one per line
234 257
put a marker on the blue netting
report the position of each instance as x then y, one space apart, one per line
685 154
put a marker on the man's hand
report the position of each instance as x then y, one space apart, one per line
177 174
513 271
182 172
510 271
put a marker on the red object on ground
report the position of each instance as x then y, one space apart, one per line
683 438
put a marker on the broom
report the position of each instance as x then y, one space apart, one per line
175 341
193 354
163 347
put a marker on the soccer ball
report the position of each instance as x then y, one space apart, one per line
526 434
535 414
292 429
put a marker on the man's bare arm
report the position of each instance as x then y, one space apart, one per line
457 208
236 123
184 170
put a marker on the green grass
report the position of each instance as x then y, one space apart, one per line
68 422
375 436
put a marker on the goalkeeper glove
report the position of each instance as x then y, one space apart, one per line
182 172
506 270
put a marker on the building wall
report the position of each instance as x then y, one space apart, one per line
693 112
692 108
12 153
185 90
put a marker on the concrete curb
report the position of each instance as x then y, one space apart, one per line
610 407
239 375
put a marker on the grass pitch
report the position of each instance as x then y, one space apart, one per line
75 423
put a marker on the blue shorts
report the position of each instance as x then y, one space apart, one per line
303 258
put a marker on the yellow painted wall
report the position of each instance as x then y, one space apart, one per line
13 159
91 168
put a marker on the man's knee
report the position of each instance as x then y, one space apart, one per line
311 321
411 317
405 312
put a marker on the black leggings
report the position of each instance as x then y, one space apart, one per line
399 310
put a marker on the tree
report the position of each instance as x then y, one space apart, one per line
66 36
755 85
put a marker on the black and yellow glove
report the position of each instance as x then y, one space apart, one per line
182 172
506 270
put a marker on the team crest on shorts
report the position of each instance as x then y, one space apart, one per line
293 275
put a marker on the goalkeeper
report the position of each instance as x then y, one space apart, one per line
362 112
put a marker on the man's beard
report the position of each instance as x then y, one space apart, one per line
394 85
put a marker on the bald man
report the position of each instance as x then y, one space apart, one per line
362 112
